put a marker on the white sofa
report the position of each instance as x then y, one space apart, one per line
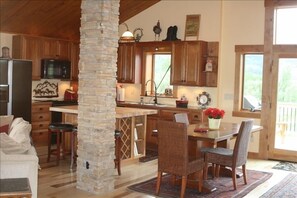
18 158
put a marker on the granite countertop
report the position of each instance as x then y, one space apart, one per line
121 112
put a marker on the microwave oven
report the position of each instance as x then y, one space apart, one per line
55 69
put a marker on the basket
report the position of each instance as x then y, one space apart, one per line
181 103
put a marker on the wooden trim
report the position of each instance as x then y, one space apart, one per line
249 48
246 114
252 155
279 3
267 83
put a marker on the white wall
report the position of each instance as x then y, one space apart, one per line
227 21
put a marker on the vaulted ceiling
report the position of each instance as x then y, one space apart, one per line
58 18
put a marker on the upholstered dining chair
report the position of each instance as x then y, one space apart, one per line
182 118
173 155
231 157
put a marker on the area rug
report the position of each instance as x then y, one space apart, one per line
287 166
224 186
286 188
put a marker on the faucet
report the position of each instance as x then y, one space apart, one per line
155 100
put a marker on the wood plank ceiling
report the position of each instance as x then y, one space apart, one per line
58 19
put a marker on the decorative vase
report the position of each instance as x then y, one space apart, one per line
214 124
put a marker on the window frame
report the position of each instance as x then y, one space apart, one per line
240 51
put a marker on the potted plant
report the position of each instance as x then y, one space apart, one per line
214 117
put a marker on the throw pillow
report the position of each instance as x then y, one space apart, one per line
20 131
5 122
9 146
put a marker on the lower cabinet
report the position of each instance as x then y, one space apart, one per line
41 118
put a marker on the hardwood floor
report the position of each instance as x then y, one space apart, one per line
59 181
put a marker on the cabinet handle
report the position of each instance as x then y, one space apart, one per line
195 116
40 117
40 108
40 125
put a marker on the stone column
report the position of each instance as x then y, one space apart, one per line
97 82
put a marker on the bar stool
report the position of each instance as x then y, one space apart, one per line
73 137
118 155
60 129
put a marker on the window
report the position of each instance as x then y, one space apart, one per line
161 74
284 31
157 70
252 81
248 80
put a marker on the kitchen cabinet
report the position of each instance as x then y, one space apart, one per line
28 47
53 48
41 118
213 55
128 64
188 63
74 54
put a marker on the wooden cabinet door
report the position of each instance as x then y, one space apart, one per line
74 61
195 59
188 60
49 48
126 63
26 47
53 48
178 64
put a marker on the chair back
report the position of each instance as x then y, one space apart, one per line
182 118
240 151
172 147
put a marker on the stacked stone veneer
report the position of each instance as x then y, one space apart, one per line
97 82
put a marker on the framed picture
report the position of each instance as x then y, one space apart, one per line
192 27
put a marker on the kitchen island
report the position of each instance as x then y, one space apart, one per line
130 121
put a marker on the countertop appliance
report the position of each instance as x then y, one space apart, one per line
16 88
70 95
55 69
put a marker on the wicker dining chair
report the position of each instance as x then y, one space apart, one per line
231 157
173 155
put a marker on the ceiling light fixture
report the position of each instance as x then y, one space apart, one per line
127 36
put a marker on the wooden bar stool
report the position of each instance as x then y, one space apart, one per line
118 155
73 137
59 129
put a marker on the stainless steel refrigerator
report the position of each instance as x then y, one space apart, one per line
16 88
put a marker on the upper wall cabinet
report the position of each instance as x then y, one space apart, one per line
27 47
128 65
53 48
36 48
188 63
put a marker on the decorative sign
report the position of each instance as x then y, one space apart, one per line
192 27
46 90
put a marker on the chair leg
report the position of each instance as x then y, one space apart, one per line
213 170
218 167
72 139
58 148
159 180
49 145
234 178
200 183
183 187
244 174
205 171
